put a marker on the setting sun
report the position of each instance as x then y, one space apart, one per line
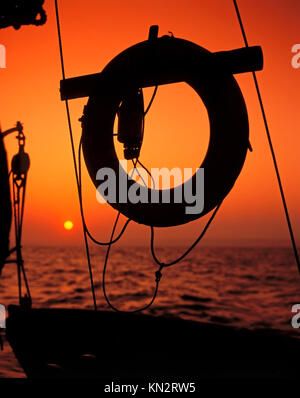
68 225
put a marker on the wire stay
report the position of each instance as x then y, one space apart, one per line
73 154
270 143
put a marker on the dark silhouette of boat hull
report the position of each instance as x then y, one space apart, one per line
67 343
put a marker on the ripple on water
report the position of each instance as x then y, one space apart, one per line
252 288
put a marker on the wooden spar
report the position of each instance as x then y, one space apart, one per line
235 61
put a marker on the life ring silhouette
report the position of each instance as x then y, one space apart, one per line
168 60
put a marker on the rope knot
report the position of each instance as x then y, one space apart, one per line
158 275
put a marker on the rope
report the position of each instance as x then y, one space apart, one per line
19 180
270 144
18 207
137 172
74 156
151 101
158 276
148 172
80 185
162 265
17 244
158 273
97 242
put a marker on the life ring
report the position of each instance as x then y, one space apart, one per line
168 60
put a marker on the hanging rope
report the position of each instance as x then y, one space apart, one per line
112 240
148 172
189 249
158 273
74 156
134 164
97 242
270 143
79 184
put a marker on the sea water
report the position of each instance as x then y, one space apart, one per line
245 287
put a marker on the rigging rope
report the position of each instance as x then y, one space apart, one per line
18 206
19 168
86 232
74 156
270 143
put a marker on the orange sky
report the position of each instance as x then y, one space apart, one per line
93 32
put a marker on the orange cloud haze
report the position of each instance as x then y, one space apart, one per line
93 32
